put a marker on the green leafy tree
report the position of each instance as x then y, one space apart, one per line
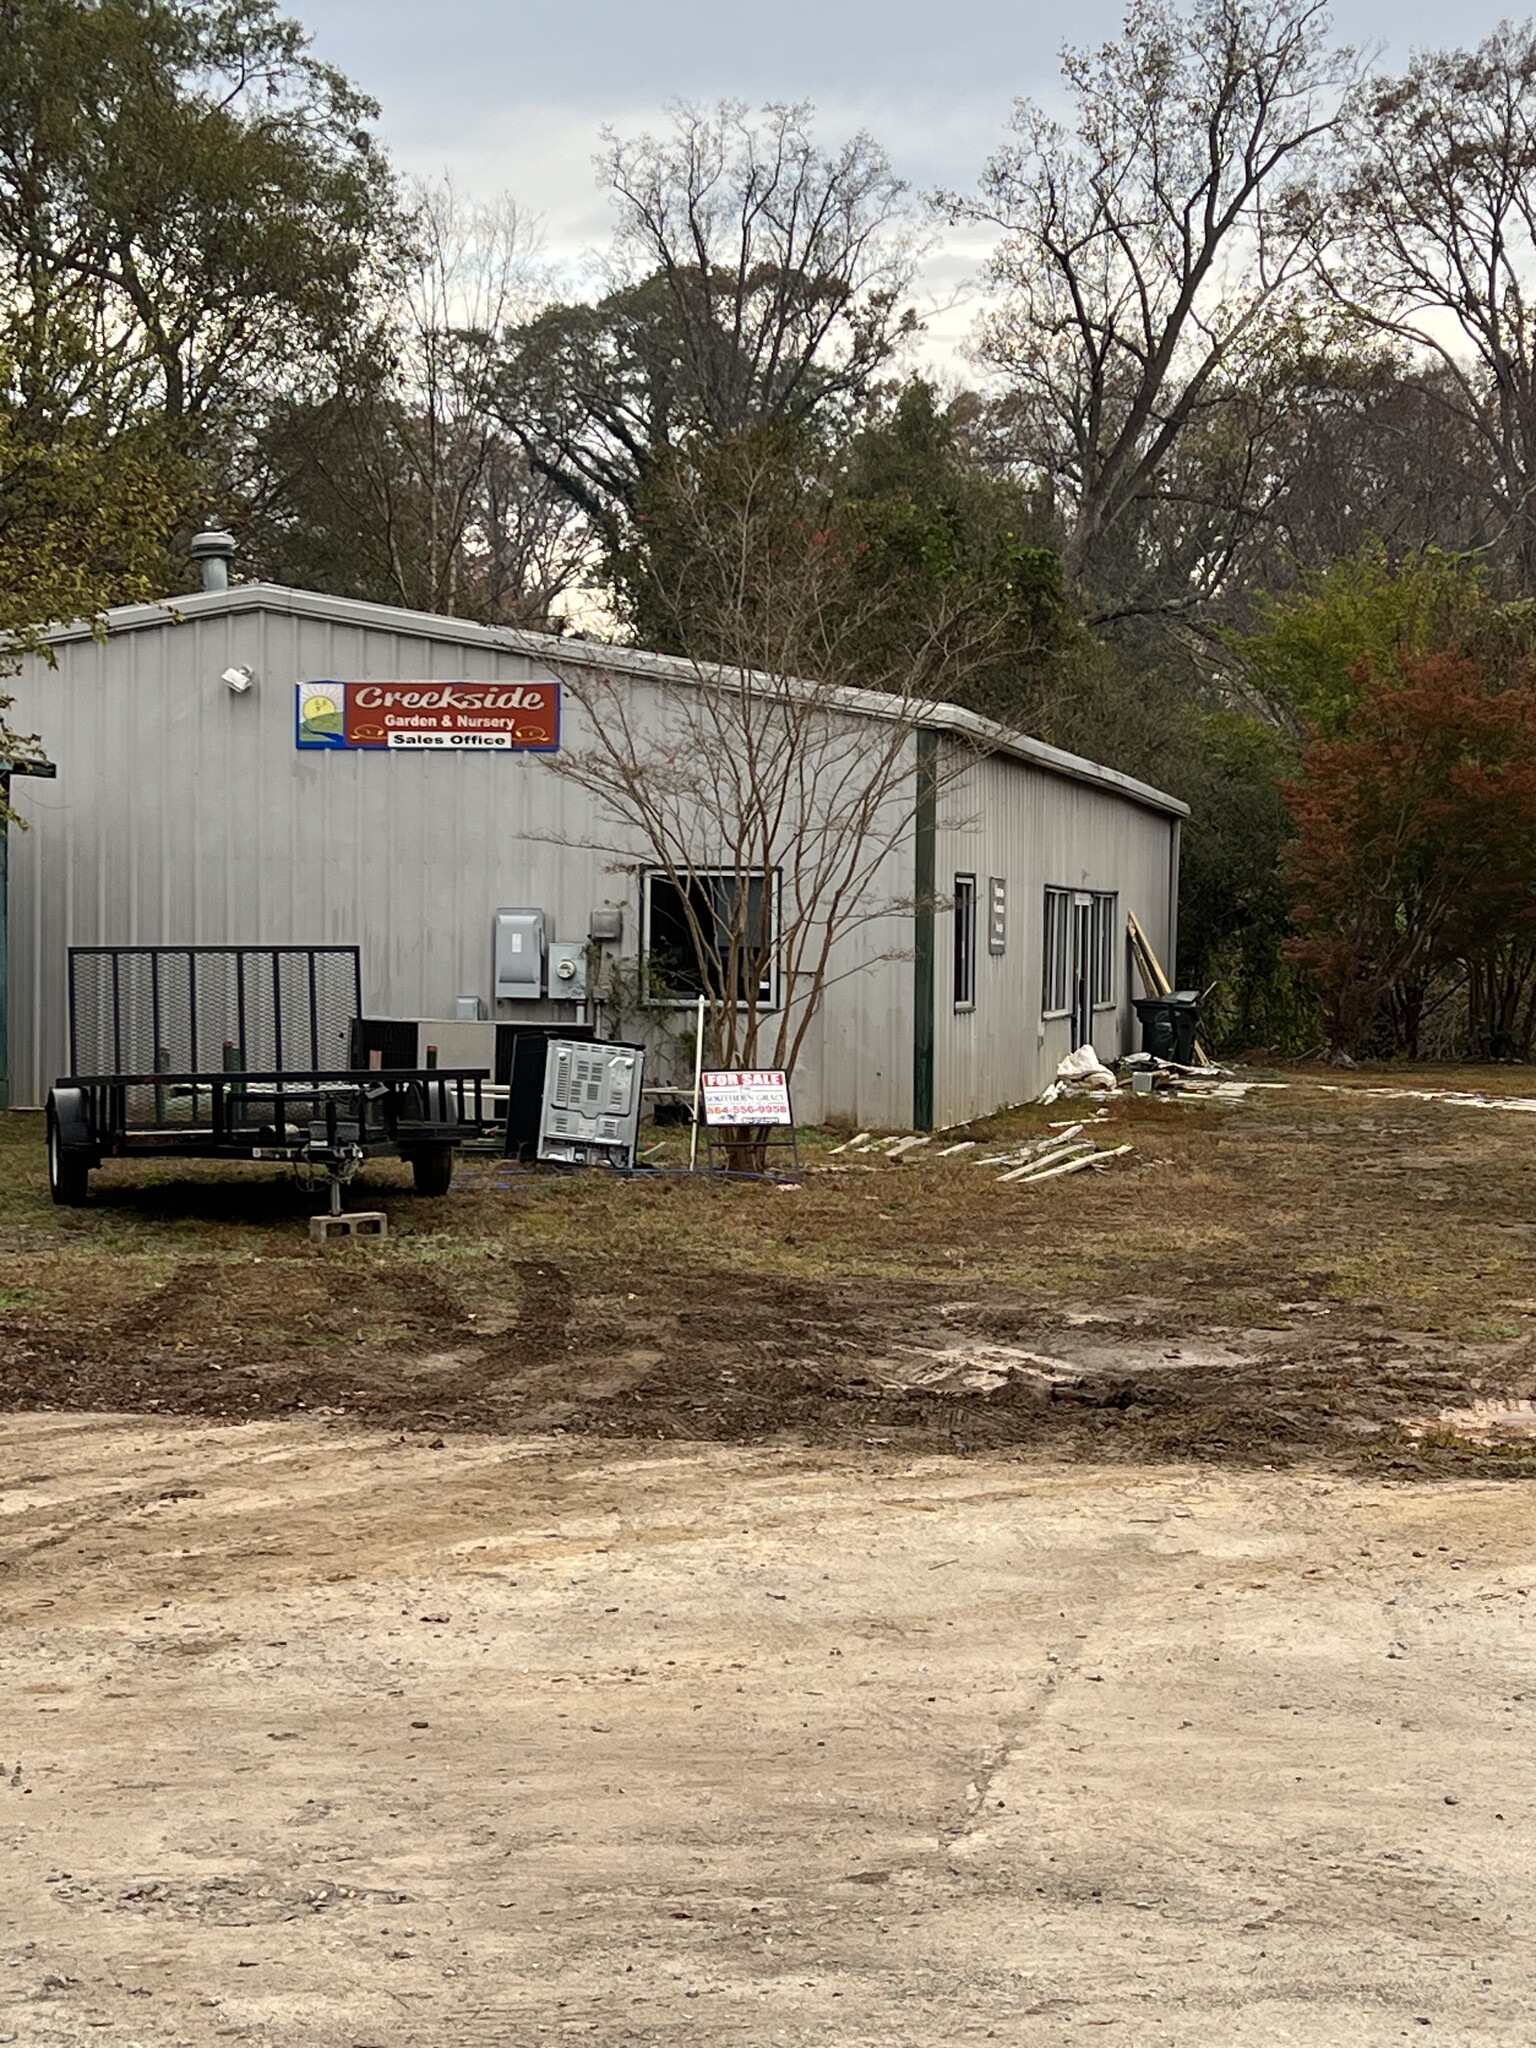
1305 663
929 525
79 530
188 204
1412 849
921 541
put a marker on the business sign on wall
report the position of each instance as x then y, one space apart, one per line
462 718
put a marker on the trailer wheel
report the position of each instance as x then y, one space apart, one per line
432 1169
69 1170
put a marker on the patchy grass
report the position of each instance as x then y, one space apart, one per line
1278 1277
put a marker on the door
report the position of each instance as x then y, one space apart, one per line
1082 971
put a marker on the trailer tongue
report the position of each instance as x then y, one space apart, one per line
145 1022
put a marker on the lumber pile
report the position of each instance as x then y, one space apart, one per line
1065 1151
1153 979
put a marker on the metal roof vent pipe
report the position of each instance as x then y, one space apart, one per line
213 550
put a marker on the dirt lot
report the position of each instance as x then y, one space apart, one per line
904 1610
319 1737
1292 1276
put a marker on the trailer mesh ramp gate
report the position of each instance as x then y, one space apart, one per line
241 1052
205 1009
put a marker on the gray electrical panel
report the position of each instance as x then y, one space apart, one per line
567 972
519 956
591 1113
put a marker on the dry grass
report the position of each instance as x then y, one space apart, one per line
1379 1239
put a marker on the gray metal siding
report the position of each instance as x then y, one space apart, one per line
1001 817
184 814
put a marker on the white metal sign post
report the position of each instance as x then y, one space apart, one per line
698 1081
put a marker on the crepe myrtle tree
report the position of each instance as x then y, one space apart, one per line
767 779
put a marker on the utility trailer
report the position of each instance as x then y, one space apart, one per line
241 1052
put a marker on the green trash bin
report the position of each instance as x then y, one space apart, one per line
1169 1024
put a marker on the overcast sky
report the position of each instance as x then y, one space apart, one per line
510 97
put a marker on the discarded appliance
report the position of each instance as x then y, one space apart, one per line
521 1051
591 1107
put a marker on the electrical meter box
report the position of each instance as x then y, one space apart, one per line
519 956
567 973
591 1111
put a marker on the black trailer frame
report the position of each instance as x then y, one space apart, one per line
324 1117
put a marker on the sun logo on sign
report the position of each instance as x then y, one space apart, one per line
320 719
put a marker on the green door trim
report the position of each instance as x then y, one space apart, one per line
925 851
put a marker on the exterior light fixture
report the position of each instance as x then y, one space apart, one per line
239 680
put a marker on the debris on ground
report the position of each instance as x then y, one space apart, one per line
1054 1166
1167 1077
1458 1097
1084 1069
1294 1287
1481 1420
1083 1073
906 1145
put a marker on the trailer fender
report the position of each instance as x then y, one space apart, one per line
69 1111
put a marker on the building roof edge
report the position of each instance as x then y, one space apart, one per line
556 650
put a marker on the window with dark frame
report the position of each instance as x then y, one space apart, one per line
965 942
1056 970
1105 948
674 972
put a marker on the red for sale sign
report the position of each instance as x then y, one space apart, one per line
750 1098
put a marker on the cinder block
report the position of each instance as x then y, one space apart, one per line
352 1223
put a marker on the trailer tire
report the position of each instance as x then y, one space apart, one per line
69 1169
432 1169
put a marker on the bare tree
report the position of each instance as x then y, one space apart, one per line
771 798
1438 250
1149 252
755 279
398 482
1377 454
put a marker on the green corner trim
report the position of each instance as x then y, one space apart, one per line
925 840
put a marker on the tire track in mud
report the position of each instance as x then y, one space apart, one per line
221 1337
536 1343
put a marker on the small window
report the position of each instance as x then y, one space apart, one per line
704 930
1056 979
965 942
1105 949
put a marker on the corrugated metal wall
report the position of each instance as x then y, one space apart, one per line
1000 817
184 814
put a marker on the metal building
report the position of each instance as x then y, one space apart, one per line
218 783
